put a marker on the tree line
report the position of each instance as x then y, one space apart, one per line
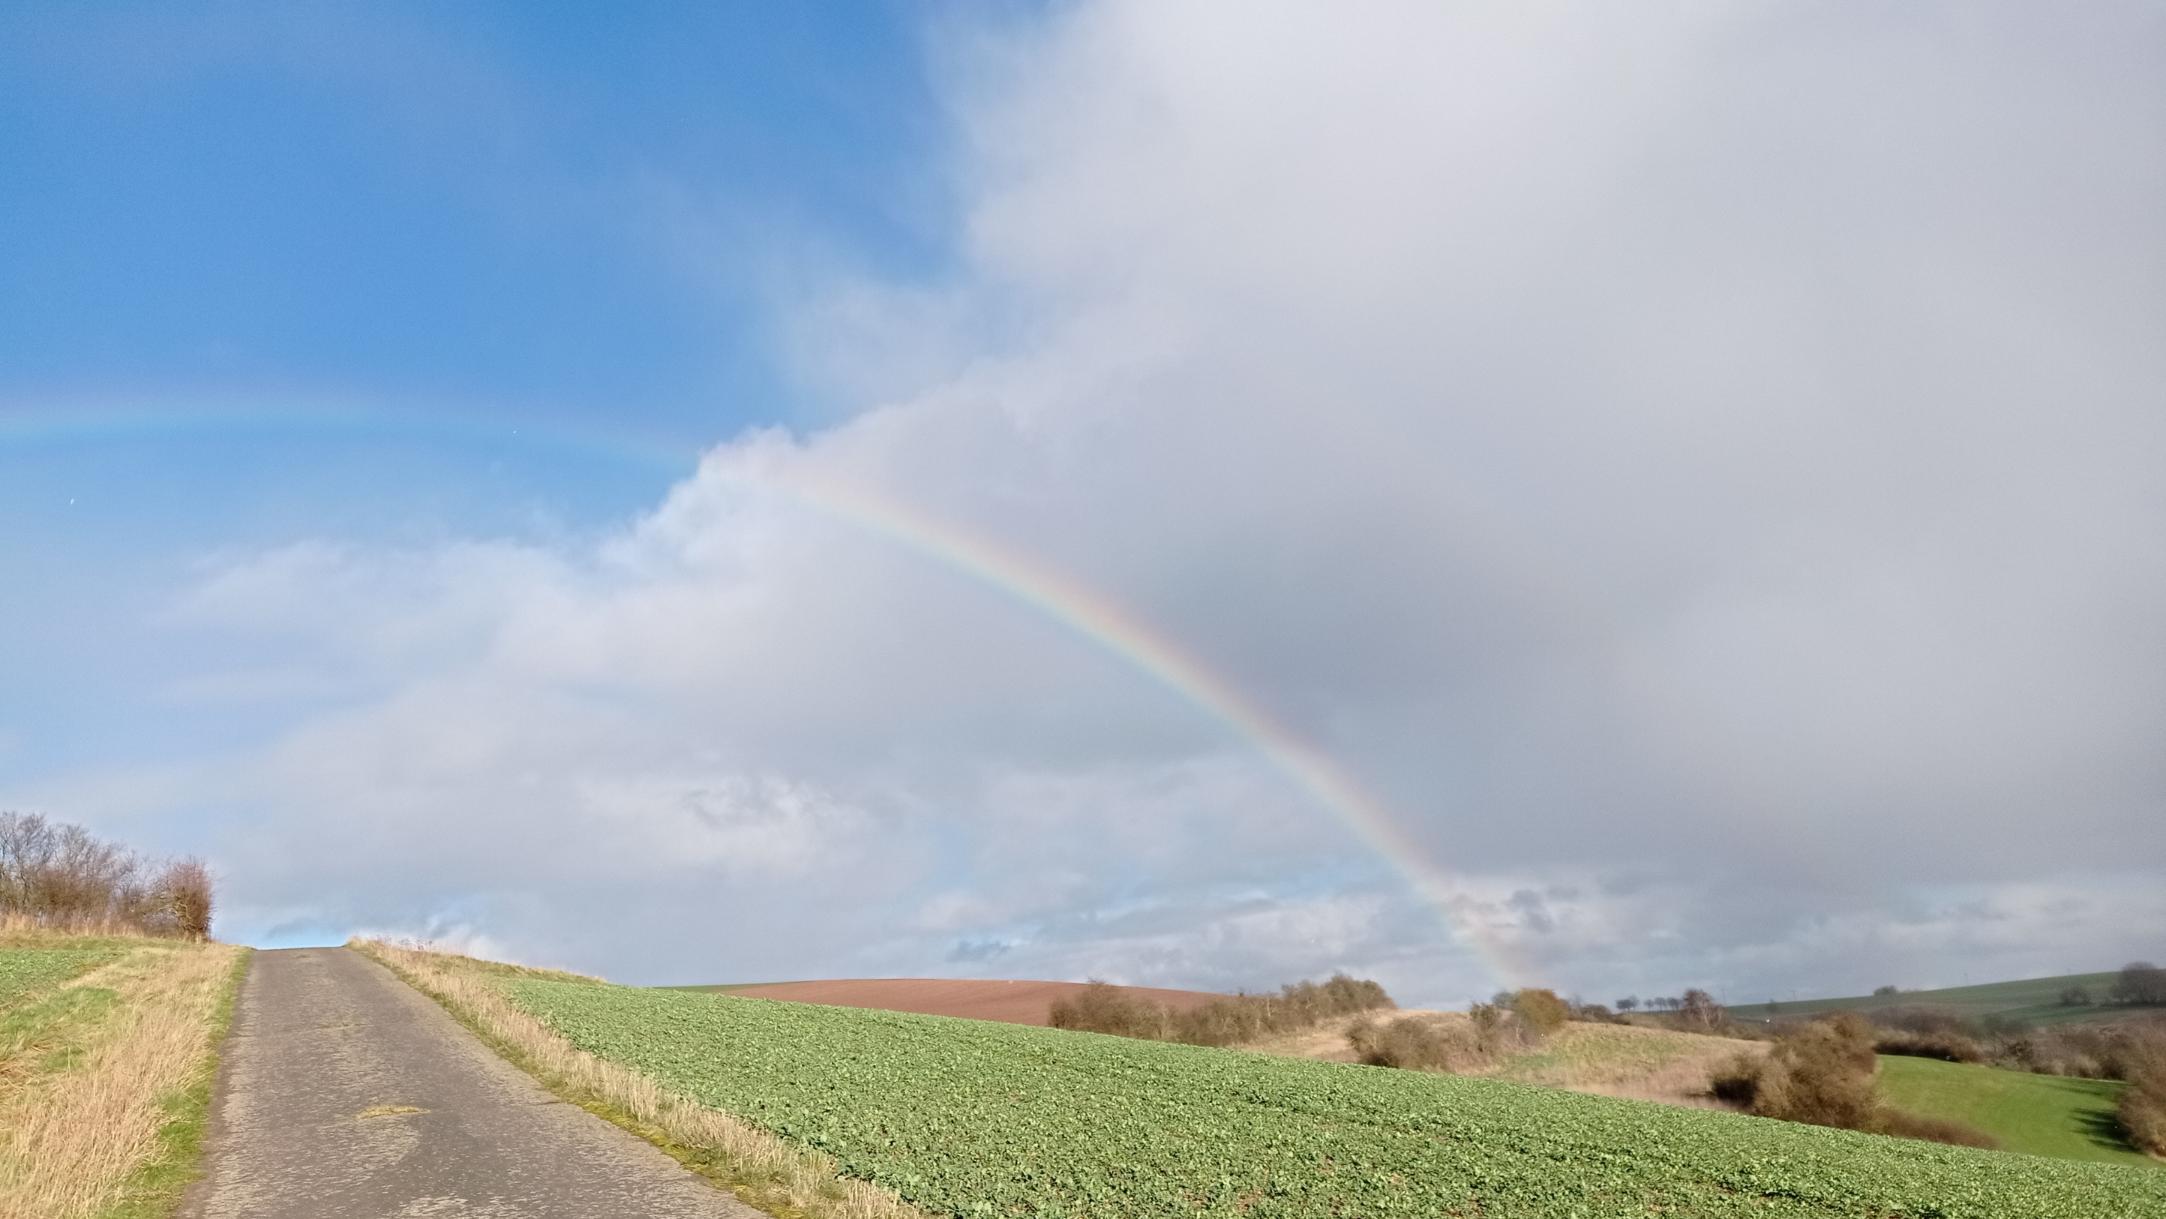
1695 1009
59 875
1233 1020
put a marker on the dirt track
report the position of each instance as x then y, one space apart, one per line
346 1095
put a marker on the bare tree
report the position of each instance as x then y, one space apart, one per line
2140 982
1699 1009
62 875
185 886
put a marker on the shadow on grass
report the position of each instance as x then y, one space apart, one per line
2103 1129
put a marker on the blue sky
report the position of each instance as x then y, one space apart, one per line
403 213
527 475
472 206
413 271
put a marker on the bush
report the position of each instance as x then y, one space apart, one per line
1884 991
1101 1007
185 890
60 875
1416 1043
2140 982
2076 996
2143 1118
1947 1047
1234 1020
1698 1009
1933 1129
1541 1010
2143 1103
1246 1018
1499 1030
1822 1073
1490 1031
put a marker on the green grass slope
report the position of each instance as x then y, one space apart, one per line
2047 1115
26 972
969 1118
2035 1000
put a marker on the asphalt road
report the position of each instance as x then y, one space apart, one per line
344 1094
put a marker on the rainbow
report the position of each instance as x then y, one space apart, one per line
1017 576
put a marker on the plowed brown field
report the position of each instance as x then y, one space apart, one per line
1011 1002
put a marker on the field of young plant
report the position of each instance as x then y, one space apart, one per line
975 1119
26 971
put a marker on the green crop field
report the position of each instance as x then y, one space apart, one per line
25 972
969 1118
2046 1115
2034 1000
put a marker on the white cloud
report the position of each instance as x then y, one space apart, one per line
1702 469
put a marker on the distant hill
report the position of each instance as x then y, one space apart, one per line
2035 1000
1011 1002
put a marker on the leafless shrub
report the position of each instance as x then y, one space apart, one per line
1698 1010
1825 1073
1101 1007
185 889
1245 1018
1947 1047
1234 1020
56 875
1932 1129
1541 1010
2140 982
2081 1050
1499 1030
1822 1073
1418 1043
2143 1103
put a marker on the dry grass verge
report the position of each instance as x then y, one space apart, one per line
758 1167
1622 1060
108 1119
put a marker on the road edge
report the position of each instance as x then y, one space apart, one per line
160 1187
760 1169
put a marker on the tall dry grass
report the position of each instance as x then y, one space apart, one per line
18 930
71 1139
760 1168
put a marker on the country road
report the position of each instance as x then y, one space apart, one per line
346 1095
